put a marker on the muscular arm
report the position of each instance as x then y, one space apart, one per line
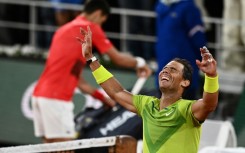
209 101
203 107
116 91
111 86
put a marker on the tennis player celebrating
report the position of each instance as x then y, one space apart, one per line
171 124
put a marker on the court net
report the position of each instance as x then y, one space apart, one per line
115 144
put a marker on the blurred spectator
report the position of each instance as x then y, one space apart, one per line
180 33
63 16
233 36
141 26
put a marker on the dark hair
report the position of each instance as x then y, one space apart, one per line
187 71
92 5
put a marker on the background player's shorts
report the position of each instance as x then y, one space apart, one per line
53 118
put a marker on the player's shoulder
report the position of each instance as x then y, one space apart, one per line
185 103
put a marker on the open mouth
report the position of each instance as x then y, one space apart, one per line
164 78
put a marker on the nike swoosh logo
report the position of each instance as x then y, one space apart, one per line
168 113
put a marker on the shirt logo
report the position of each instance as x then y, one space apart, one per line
170 112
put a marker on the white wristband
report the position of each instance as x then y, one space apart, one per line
91 60
140 62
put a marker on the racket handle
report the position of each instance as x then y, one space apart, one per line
138 85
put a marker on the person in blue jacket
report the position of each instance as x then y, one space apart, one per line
180 33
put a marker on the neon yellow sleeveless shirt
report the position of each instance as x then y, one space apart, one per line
173 129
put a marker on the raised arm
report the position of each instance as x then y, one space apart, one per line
104 78
208 103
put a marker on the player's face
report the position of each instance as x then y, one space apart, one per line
171 76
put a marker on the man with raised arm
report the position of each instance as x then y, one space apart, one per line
52 97
170 124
